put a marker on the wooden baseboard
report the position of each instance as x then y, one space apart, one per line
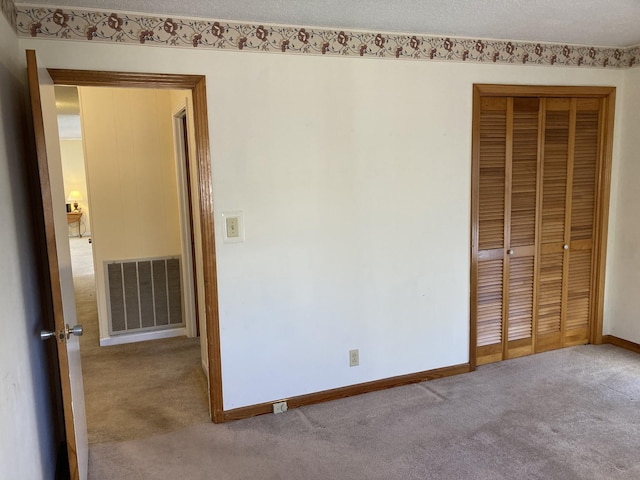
343 392
621 342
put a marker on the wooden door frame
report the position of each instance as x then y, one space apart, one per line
197 85
181 129
603 191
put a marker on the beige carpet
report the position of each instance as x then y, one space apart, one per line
569 414
139 389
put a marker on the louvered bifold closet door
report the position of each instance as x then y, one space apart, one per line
571 152
540 181
558 138
492 151
581 235
508 146
521 227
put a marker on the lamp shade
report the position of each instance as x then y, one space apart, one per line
74 196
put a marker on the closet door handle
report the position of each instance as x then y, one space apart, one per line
509 252
565 246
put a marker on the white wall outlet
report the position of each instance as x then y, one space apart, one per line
280 407
354 358
233 226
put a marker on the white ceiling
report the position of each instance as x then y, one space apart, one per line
586 22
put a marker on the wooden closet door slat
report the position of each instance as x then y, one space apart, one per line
523 172
490 302
579 296
584 174
520 297
550 294
491 270
522 226
492 177
553 223
554 186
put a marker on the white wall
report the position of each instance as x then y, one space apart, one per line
131 176
354 179
623 279
72 155
27 439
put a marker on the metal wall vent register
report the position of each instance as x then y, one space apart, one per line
144 294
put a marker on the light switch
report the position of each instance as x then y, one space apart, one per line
232 227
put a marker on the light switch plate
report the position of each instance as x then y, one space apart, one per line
233 227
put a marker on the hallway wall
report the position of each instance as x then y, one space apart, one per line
73 170
131 178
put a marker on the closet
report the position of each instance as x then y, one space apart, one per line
540 188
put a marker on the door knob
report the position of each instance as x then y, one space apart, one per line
45 334
509 252
75 330
565 246
67 332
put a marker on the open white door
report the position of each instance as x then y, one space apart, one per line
53 200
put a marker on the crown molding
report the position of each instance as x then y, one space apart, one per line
147 30
10 12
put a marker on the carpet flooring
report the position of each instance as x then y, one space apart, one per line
567 414
137 389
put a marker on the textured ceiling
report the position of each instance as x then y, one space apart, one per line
584 22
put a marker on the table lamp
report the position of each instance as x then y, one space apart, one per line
74 196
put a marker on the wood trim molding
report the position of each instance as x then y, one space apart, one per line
92 78
349 391
475 192
621 342
205 195
197 85
542 91
602 215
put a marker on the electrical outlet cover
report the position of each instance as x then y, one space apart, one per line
280 407
354 358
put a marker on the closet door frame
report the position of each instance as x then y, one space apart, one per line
602 192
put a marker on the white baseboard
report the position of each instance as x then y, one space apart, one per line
142 336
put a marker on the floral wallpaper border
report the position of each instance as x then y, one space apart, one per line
10 12
126 28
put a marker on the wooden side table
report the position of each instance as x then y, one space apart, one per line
75 217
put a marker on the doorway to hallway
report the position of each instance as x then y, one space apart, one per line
138 389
